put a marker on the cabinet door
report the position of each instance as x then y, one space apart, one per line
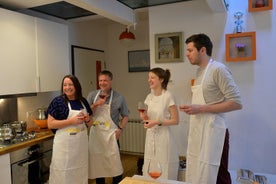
17 53
52 54
5 169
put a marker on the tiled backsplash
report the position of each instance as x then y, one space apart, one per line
8 110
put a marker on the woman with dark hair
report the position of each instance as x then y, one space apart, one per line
161 114
69 114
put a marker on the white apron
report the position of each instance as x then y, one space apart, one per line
70 154
160 144
104 154
205 141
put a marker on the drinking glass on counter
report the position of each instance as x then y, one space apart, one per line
31 126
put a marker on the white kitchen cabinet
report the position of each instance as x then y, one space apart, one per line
17 53
52 54
5 169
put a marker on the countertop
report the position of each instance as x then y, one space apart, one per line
42 135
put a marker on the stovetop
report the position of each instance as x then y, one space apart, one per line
22 137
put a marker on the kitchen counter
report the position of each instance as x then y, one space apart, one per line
41 135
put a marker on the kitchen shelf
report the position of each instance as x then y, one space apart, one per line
240 46
252 6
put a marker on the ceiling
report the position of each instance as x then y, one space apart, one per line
69 10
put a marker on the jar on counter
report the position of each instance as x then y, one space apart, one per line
41 114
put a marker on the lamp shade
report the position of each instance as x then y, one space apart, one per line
127 38
127 35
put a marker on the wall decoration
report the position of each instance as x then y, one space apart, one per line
138 61
259 5
240 46
168 47
238 22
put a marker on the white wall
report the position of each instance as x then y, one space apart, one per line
252 129
104 35
133 85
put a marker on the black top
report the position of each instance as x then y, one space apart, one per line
58 108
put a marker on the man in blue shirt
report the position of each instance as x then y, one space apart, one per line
110 115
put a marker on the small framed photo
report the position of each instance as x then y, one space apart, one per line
240 46
260 5
138 61
168 47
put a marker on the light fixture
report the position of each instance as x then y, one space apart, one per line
127 38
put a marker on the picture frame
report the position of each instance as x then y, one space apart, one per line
240 46
254 6
168 47
138 61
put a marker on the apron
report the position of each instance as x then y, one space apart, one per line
160 144
70 154
205 141
104 154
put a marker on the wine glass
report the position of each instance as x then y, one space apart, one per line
84 113
102 94
142 107
154 169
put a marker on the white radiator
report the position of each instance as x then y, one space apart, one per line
133 137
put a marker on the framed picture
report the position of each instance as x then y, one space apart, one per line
259 5
240 46
138 61
168 47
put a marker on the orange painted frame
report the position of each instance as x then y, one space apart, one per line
248 39
252 8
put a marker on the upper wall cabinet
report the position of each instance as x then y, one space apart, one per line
17 53
52 54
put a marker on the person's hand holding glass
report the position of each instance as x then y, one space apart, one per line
185 105
102 98
84 115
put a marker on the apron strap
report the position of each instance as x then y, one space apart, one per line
203 77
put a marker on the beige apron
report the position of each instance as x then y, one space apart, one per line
104 155
205 142
160 144
70 154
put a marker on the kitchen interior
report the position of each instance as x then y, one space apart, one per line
252 130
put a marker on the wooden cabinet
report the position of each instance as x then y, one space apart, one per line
52 54
17 53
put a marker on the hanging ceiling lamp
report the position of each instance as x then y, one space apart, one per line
127 38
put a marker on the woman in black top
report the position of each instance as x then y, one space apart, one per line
69 114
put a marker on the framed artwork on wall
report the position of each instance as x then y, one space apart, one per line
138 61
259 5
168 47
240 46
